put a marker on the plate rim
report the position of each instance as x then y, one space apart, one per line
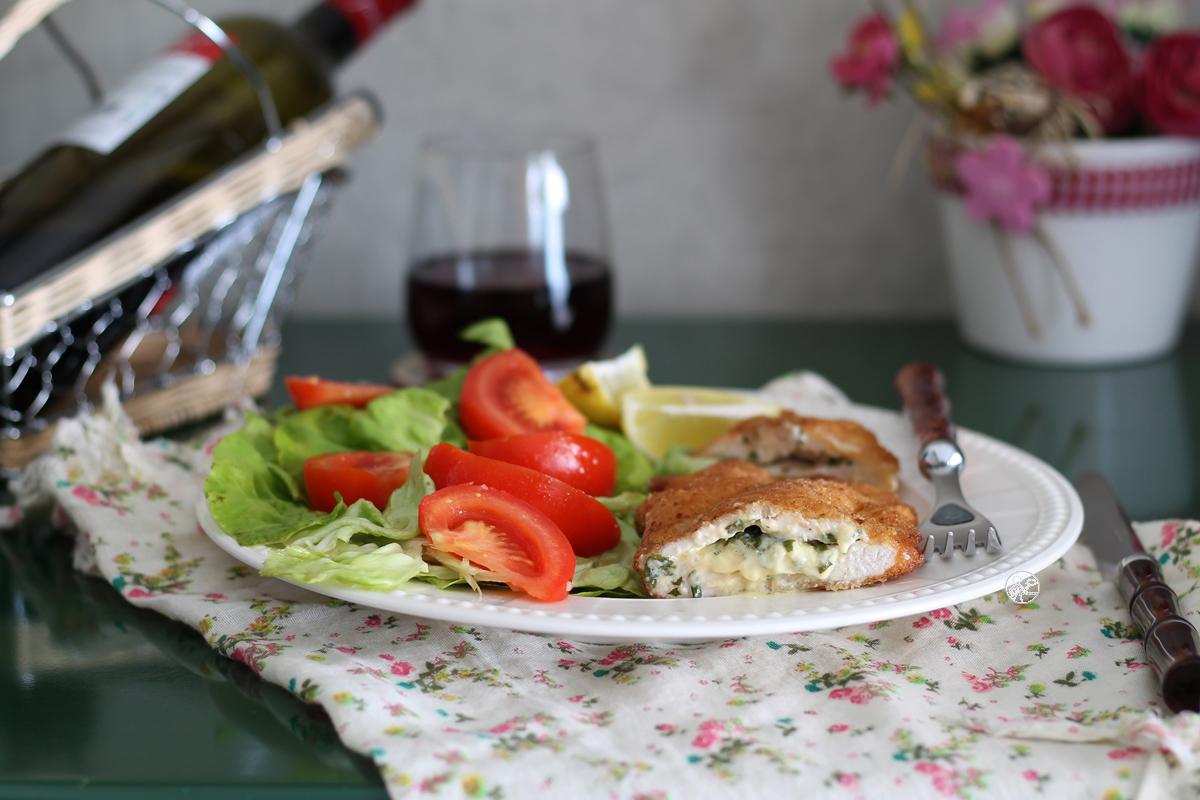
618 620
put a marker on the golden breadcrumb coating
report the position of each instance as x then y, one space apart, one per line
793 446
732 530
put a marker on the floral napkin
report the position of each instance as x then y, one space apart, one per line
980 700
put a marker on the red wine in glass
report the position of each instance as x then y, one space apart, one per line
554 320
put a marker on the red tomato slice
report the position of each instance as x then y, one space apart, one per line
589 526
507 393
355 475
585 463
312 391
502 534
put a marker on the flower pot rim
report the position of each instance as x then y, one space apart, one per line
1152 147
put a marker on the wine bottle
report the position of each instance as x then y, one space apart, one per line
184 116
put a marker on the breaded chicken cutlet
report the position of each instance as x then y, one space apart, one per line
733 528
794 446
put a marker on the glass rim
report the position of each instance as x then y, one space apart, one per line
507 142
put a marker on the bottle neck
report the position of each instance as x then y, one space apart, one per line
339 27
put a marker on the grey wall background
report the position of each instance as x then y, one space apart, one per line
740 182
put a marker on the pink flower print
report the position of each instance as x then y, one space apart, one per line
847 781
923 622
951 640
140 593
1169 532
347 650
838 728
710 734
215 596
859 695
871 56
576 699
1030 775
1001 186
565 645
87 495
374 621
401 668
1127 753
503 727
943 778
941 613
613 657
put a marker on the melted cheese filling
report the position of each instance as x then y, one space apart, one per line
747 560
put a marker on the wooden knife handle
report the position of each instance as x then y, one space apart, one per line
1172 645
922 391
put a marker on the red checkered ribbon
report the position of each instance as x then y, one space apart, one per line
1090 189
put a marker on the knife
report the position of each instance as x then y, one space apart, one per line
1171 643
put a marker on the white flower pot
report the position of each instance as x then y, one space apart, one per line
1125 217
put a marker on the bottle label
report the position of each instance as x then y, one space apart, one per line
136 100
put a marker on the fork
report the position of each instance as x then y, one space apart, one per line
952 523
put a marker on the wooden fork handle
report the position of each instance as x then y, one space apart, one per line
922 391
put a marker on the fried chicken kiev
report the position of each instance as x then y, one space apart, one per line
793 446
734 528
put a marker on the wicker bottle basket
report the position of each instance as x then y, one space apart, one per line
196 289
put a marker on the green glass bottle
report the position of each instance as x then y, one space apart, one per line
183 117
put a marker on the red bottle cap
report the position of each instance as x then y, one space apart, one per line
368 16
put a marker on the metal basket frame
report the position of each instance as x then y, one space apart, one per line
228 251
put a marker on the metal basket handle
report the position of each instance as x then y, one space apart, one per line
24 15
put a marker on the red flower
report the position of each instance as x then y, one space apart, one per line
1079 50
872 55
1170 87
923 622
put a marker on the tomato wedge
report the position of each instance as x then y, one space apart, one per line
583 462
354 475
507 393
311 391
502 534
588 525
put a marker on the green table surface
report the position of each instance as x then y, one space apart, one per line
99 699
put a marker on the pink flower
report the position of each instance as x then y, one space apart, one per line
951 640
847 781
1169 532
87 495
139 593
1030 775
990 28
872 55
1079 601
374 621
401 668
1001 185
215 596
941 613
1079 50
838 728
705 739
923 622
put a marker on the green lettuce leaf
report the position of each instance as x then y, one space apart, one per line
634 470
250 497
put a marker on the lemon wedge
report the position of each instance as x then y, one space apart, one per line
660 417
596 387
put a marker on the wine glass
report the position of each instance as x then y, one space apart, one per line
510 225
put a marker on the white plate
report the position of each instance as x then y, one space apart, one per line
1035 510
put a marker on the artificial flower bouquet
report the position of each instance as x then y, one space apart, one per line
1044 72
1010 90
1050 70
